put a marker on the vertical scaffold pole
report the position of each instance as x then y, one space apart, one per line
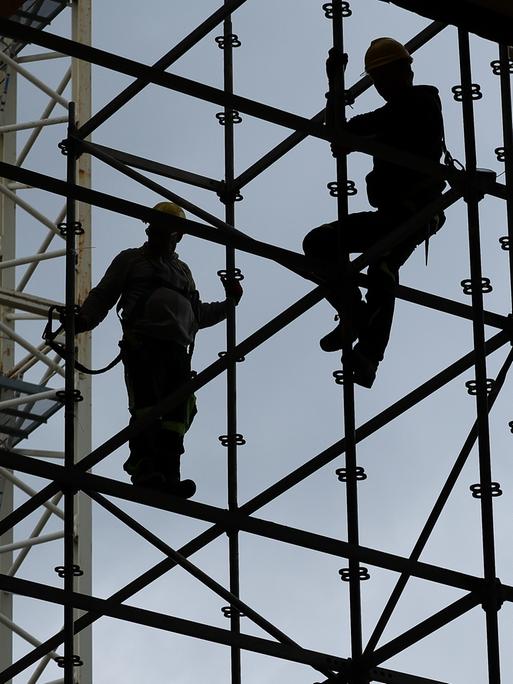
472 198
8 115
505 63
81 95
231 374
69 567
340 8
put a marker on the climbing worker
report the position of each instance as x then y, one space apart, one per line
160 312
411 120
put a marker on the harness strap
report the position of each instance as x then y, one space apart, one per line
49 336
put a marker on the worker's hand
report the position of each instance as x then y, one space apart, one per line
80 324
233 289
80 321
335 64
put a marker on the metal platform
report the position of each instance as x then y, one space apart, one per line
24 407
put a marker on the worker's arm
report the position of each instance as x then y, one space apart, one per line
214 312
102 298
368 124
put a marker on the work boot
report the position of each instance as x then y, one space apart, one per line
348 330
181 488
364 369
338 337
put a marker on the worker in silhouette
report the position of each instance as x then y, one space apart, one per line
411 120
161 312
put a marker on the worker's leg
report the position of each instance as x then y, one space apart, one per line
174 371
137 361
359 232
383 279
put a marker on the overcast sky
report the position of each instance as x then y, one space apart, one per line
289 408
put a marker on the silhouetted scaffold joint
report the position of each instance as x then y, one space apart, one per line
504 242
76 571
227 195
351 188
222 354
500 153
345 9
70 146
343 474
362 574
77 396
76 661
497 66
232 40
229 611
75 225
229 116
471 386
485 286
459 92
227 440
339 377
478 490
492 595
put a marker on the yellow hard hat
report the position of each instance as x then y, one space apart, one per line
383 51
170 208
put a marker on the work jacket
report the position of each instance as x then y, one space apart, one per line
156 297
410 121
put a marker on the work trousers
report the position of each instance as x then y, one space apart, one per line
360 231
153 370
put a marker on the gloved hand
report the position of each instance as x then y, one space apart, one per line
80 321
233 289
335 64
80 324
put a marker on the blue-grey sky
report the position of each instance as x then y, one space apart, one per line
289 408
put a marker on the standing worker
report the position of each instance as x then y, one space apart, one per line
411 120
161 312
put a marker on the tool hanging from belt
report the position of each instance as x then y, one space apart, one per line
49 336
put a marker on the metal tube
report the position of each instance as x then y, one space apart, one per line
46 113
437 510
39 453
33 124
355 91
69 408
30 209
396 409
41 56
35 532
41 667
196 572
52 508
34 80
32 259
485 476
163 63
231 371
44 246
507 128
23 633
28 399
29 360
30 348
337 93
32 541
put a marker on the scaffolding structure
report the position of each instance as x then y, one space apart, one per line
78 486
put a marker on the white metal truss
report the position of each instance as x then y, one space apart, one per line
25 299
